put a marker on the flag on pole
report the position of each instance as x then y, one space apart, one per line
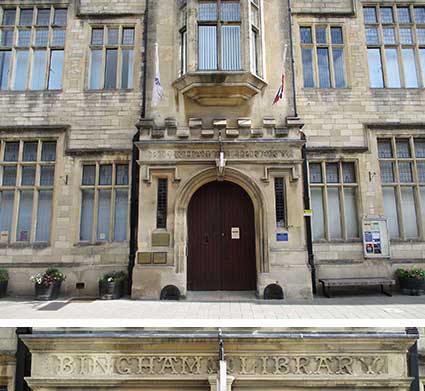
281 90
158 91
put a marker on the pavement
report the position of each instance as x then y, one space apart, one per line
372 309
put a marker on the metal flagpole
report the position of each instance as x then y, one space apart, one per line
222 373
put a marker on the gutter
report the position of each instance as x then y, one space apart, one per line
306 192
135 172
23 360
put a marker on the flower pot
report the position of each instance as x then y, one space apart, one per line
111 290
47 292
412 286
3 288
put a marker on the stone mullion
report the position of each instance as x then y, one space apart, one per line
314 57
397 189
330 57
245 34
342 202
325 202
95 205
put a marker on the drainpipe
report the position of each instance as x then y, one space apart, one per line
413 360
134 197
306 193
23 361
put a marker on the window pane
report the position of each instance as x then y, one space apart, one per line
323 64
89 174
11 152
372 36
406 36
318 215
384 149
60 17
403 148
43 17
410 68
111 68
121 205
97 36
315 173
307 57
58 38
207 53
305 33
351 223
387 172
122 174
390 211
409 212
420 34
405 172
255 16
113 34
403 14
421 172
26 17
389 35
9 175
230 47
6 210
87 214
349 173
9 17
20 71
420 148
24 38
279 188
230 11
321 35
207 11
41 37
105 174
254 61
5 58
6 38
48 152
387 15
375 68
183 52
339 67
28 176
393 73
96 69
56 69
38 70
47 175
336 35
334 214
25 216
422 65
128 36
127 68
369 14
422 195
44 216
103 216
332 175
420 15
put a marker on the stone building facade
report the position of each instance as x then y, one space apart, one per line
226 186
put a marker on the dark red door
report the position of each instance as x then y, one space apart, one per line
221 230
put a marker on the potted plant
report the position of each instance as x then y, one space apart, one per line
4 279
412 281
48 284
111 285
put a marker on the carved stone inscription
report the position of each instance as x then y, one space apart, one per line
138 365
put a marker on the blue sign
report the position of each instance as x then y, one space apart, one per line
282 236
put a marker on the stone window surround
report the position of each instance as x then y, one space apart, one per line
96 188
13 236
328 24
49 47
340 185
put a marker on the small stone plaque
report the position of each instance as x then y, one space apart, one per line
160 239
144 258
159 258
282 236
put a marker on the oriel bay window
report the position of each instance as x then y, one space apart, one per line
322 53
395 38
333 191
111 57
104 208
402 165
32 42
27 171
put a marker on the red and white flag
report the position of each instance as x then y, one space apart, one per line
281 91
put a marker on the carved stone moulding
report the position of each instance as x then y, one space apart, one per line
220 88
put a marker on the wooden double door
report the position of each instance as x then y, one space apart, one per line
221 248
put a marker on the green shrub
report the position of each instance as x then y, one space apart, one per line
113 277
410 273
4 275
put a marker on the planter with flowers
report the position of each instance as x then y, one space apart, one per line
48 284
412 281
111 285
4 280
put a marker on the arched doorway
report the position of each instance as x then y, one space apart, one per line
221 242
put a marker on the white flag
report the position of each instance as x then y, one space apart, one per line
157 92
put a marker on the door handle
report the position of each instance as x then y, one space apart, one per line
206 239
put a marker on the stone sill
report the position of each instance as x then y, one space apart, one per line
24 245
123 243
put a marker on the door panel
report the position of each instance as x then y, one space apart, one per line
216 260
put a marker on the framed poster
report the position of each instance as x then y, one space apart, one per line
375 238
